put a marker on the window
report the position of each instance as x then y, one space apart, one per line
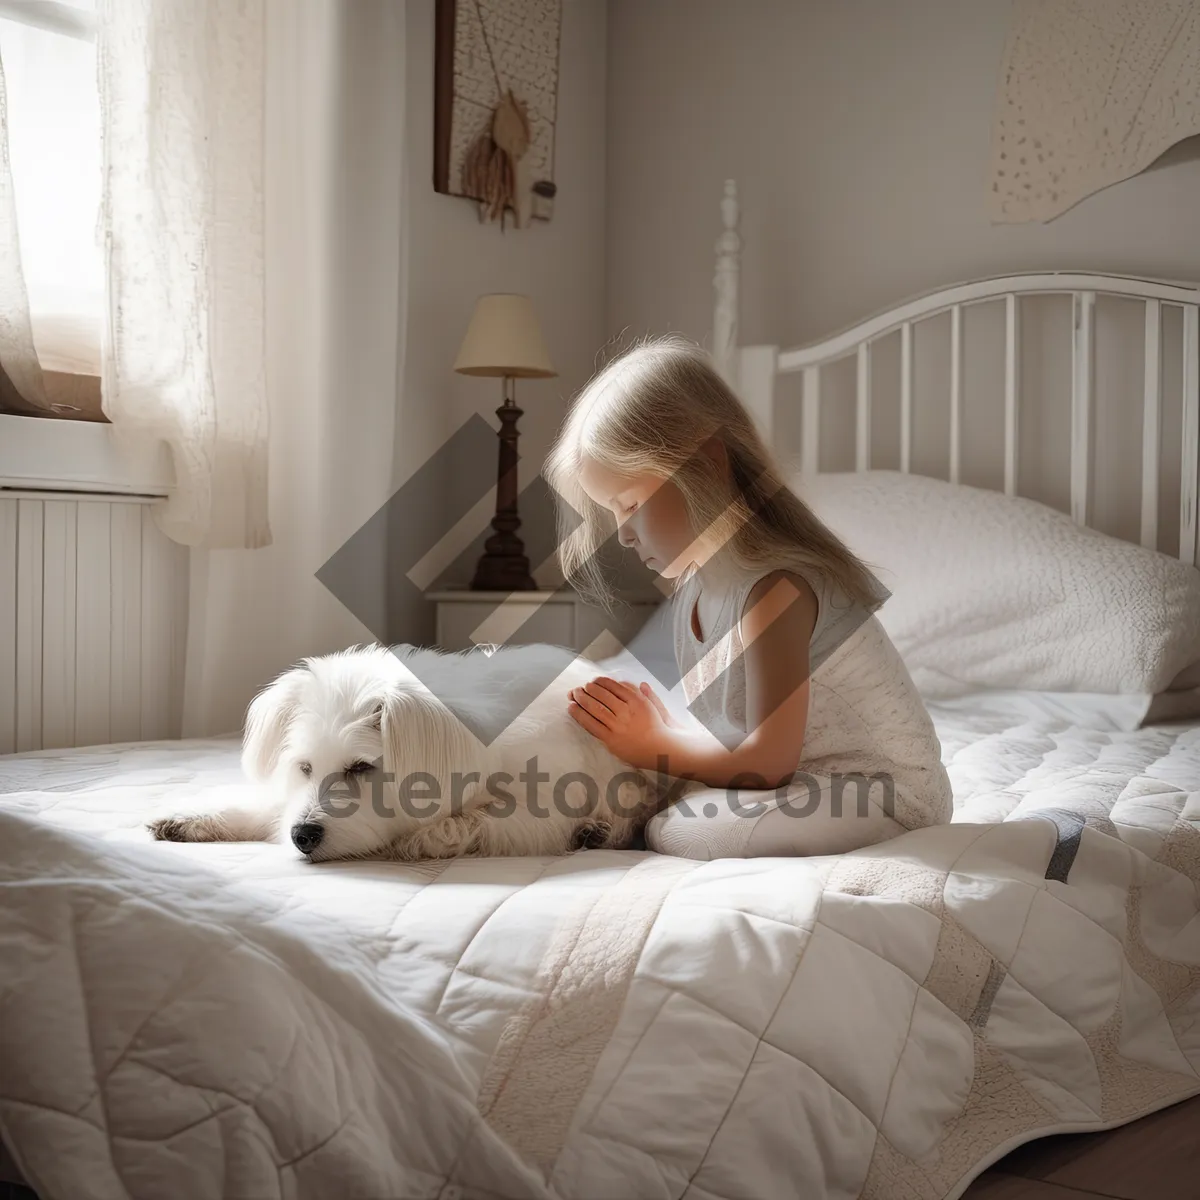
49 55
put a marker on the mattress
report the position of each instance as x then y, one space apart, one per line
229 1020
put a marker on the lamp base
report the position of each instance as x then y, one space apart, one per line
504 566
503 571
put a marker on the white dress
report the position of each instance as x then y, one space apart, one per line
871 766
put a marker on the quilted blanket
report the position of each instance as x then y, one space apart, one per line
230 1021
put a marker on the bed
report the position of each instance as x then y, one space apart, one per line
228 1020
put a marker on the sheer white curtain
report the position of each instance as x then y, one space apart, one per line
335 316
182 104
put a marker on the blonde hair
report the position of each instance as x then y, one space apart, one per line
651 411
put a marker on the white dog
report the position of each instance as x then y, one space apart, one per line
357 758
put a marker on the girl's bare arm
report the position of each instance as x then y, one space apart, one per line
777 628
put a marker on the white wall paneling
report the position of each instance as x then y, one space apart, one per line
60 533
93 615
93 623
28 681
125 616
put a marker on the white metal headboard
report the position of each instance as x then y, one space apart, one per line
753 371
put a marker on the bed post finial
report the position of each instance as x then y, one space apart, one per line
725 281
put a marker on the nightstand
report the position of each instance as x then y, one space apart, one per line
467 618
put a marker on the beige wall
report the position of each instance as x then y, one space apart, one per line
858 132
452 258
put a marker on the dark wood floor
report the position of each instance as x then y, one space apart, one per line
1156 1158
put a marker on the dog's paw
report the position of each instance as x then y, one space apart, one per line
447 837
183 829
592 836
169 829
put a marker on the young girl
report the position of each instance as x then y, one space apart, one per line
789 672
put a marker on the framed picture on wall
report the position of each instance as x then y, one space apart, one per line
496 105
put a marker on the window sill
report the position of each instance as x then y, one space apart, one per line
72 390
73 397
37 454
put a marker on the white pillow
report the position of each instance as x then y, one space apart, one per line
992 591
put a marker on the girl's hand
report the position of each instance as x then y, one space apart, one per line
668 720
631 722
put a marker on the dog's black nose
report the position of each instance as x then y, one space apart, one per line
306 837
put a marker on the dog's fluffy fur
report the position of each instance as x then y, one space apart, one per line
337 722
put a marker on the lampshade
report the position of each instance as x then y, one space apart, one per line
504 338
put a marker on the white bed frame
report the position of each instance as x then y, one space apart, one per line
753 371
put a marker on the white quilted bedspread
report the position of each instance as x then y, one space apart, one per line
229 1021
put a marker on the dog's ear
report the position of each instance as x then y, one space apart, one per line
422 736
267 720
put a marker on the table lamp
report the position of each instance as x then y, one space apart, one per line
504 341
